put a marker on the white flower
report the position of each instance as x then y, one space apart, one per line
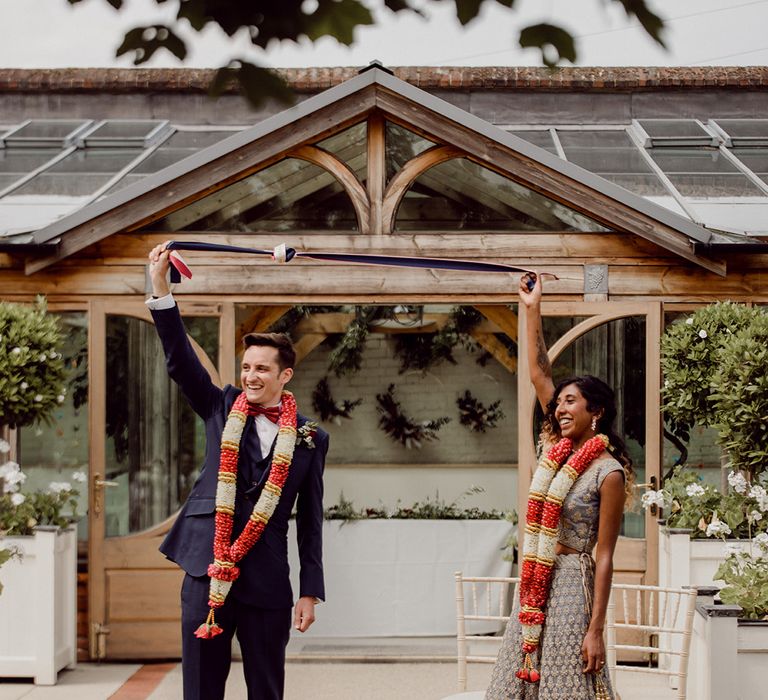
11 477
733 548
761 541
754 517
18 498
38 398
53 355
655 498
702 333
695 490
79 476
689 321
5 447
60 398
59 486
16 351
717 527
24 385
43 357
737 482
761 496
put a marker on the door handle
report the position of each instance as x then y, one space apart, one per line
99 485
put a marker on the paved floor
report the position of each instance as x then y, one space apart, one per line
363 669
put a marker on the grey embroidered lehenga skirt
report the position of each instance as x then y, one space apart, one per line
559 659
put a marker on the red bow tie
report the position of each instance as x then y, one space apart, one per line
271 412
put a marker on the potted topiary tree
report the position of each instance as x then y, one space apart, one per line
37 542
715 368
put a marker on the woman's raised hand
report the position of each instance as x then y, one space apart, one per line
530 295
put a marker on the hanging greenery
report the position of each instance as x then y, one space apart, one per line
475 415
291 318
424 350
327 408
347 356
402 428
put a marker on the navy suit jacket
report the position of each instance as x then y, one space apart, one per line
264 573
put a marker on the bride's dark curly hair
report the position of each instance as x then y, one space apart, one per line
599 396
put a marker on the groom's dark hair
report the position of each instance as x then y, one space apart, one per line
286 355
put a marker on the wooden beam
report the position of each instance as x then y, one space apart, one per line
346 177
494 346
260 320
513 247
307 343
376 179
503 317
400 183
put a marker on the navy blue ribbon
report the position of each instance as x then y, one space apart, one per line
356 258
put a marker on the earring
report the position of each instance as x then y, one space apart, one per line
594 423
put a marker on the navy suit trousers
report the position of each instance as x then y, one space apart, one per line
263 635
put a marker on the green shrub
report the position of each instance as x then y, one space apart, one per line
32 372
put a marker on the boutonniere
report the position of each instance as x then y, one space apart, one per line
305 435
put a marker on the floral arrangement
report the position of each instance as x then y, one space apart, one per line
305 435
745 573
327 407
476 416
402 428
21 512
691 504
32 372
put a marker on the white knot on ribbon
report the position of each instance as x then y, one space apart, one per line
279 254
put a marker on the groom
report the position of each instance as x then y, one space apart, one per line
230 487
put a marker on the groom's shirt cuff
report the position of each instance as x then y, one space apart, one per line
161 303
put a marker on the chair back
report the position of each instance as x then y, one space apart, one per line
661 621
483 605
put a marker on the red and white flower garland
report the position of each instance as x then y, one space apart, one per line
549 487
223 571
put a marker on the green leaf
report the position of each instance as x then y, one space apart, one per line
338 19
543 36
257 84
145 41
651 22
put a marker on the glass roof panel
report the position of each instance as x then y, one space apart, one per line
704 173
127 133
181 145
612 155
401 145
542 139
756 159
461 195
742 132
744 128
53 132
351 147
291 195
15 163
80 174
672 128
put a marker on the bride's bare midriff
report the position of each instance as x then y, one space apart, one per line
562 549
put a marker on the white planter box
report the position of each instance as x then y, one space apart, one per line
38 605
729 656
395 578
689 562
